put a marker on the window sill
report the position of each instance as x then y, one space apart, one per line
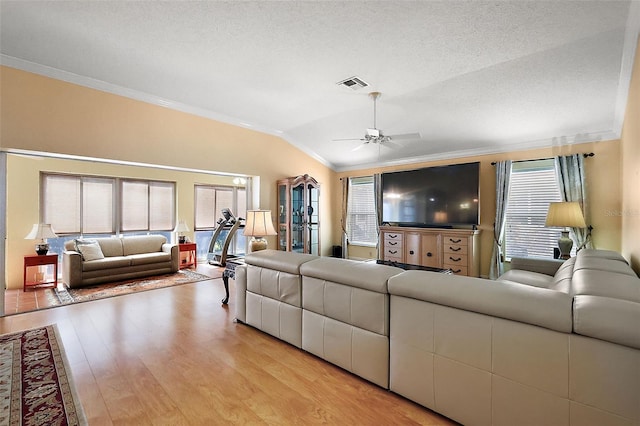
363 244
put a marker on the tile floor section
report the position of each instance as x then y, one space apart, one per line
16 300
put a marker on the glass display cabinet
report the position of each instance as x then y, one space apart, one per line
299 215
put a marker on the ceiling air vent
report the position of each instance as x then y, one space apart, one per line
353 83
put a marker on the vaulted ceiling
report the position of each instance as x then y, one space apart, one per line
471 77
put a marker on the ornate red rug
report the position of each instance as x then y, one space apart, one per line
64 295
35 381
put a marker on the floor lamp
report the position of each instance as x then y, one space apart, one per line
258 225
567 215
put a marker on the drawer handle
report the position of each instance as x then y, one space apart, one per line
392 235
393 251
411 252
457 259
455 248
457 271
429 254
393 243
454 241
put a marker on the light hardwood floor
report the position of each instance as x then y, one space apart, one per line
174 356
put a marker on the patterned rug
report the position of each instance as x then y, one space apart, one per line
64 296
35 381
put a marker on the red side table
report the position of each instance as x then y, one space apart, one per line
191 257
38 278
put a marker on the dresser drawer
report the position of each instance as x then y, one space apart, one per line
390 236
393 254
453 249
453 240
458 269
392 244
455 259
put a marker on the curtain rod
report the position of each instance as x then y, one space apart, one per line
585 155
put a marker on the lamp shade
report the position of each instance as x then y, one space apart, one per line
41 231
259 224
181 227
565 214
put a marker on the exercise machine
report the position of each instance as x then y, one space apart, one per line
226 228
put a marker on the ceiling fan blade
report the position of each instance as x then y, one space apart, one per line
347 139
360 146
390 144
406 136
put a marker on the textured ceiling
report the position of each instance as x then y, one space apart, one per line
471 77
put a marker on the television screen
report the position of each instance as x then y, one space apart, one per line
432 196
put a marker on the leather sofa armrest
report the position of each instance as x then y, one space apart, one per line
535 264
175 255
71 268
613 320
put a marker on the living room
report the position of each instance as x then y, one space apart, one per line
57 126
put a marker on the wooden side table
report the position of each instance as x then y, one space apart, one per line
34 279
191 257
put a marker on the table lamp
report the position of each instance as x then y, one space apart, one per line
180 228
41 231
258 225
567 215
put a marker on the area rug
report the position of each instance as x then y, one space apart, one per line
35 381
64 296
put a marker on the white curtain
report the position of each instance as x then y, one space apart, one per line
571 179
503 175
377 190
345 215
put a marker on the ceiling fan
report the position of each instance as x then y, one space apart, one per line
375 135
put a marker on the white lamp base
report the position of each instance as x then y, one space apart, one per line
565 244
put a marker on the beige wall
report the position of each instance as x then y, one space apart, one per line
630 153
603 184
46 115
42 114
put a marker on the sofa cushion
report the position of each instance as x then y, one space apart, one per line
606 284
106 263
111 246
89 249
609 319
535 279
147 258
523 303
366 275
602 264
142 244
279 260
602 254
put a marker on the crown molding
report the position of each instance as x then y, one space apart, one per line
492 150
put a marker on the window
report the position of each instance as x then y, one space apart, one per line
209 202
89 205
533 186
78 204
147 206
361 212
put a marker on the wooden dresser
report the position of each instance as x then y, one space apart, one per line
455 249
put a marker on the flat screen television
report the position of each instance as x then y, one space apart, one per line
444 196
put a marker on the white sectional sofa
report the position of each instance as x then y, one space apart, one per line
529 348
100 260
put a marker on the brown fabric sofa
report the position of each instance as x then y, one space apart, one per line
122 259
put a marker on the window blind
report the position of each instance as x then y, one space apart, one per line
147 206
61 201
533 186
361 211
210 200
